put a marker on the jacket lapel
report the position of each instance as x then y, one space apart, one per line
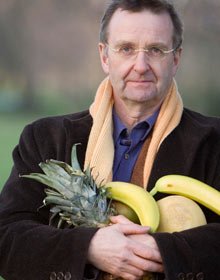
179 152
77 131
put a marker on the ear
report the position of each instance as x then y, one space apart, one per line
104 57
177 56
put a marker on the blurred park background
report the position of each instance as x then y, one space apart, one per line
49 62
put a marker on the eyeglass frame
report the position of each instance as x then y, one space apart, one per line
146 50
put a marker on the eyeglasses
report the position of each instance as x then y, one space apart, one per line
129 52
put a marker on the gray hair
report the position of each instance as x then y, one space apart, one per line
156 6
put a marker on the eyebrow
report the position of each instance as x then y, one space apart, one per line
160 45
121 43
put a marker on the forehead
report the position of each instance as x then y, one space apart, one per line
140 26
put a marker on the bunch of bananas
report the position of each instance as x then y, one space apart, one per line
184 193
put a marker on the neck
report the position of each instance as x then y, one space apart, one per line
131 114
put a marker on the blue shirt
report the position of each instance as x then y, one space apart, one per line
128 145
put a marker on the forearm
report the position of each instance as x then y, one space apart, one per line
30 250
29 247
194 251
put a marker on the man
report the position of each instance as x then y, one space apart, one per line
136 130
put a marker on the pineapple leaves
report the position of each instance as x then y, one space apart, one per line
51 182
54 168
75 163
72 194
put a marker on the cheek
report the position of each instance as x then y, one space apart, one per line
164 72
175 67
119 70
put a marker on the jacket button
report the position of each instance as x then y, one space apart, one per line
60 276
189 276
181 276
67 276
53 276
200 276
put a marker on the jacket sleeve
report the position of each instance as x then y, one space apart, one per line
193 253
192 149
29 248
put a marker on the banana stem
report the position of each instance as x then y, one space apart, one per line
153 191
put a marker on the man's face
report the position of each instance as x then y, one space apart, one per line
140 79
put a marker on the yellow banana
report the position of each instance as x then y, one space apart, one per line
191 188
138 199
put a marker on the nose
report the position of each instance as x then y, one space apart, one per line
141 63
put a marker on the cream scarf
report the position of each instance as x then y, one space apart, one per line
100 149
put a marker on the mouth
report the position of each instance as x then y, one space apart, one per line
139 82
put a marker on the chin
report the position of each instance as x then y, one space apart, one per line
140 96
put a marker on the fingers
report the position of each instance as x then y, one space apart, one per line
146 239
128 229
145 251
143 244
145 265
112 250
128 226
120 219
133 267
130 266
128 272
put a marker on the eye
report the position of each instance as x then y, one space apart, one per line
126 50
155 51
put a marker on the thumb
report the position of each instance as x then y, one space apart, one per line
132 228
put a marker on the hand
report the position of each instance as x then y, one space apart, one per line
144 238
114 250
147 240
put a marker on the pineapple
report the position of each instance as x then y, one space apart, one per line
72 194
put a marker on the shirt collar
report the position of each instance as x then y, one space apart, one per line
119 126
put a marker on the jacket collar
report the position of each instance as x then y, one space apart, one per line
77 129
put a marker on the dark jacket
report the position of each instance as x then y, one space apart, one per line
32 250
